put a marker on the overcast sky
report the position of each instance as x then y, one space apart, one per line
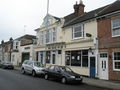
19 17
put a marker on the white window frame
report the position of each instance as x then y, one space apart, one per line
54 31
115 61
41 37
82 31
16 45
114 28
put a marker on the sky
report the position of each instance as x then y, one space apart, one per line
20 17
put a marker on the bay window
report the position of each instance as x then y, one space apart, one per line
48 36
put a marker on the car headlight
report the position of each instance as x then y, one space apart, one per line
72 76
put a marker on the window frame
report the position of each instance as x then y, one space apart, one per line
115 61
82 31
112 28
69 63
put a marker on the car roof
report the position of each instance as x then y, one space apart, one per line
58 65
31 61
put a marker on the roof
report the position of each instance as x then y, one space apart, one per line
84 17
111 8
27 36
73 19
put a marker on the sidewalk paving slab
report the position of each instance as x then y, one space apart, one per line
102 83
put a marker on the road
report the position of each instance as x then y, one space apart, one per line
14 80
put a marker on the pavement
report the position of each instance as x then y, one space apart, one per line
114 85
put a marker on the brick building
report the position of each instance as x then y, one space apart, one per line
109 41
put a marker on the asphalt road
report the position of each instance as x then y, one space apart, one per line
14 80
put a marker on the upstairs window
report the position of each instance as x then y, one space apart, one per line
48 36
15 45
116 27
78 32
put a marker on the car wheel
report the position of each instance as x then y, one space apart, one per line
63 80
46 77
23 71
33 73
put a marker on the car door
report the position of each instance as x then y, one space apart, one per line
30 67
57 72
50 71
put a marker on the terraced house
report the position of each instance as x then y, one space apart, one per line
5 50
109 41
50 43
80 37
82 41
23 49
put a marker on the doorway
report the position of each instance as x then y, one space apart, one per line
92 67
104 66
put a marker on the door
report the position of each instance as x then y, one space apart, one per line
53 57
25 56
104 66
92 67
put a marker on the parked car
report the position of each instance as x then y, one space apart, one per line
32 67
62 73
1 63
6 65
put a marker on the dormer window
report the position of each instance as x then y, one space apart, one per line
78 31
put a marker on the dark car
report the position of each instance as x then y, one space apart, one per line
7 65
62 73
1 64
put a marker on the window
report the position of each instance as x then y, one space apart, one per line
116 27
77 58
16 44
116 60
42 37
103 55
48 56
85 58
78 32
54 35
13 58
51 67
48 36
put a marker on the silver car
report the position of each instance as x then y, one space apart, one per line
32 67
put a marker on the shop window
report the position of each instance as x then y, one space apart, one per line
85 58
77 58
67 57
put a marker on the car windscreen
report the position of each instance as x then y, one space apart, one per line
67 69
38 64
8 63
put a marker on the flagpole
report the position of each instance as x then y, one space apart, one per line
47 6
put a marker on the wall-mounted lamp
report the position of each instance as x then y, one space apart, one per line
90 50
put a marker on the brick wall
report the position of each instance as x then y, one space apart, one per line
109 43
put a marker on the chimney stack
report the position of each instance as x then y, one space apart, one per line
79 8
